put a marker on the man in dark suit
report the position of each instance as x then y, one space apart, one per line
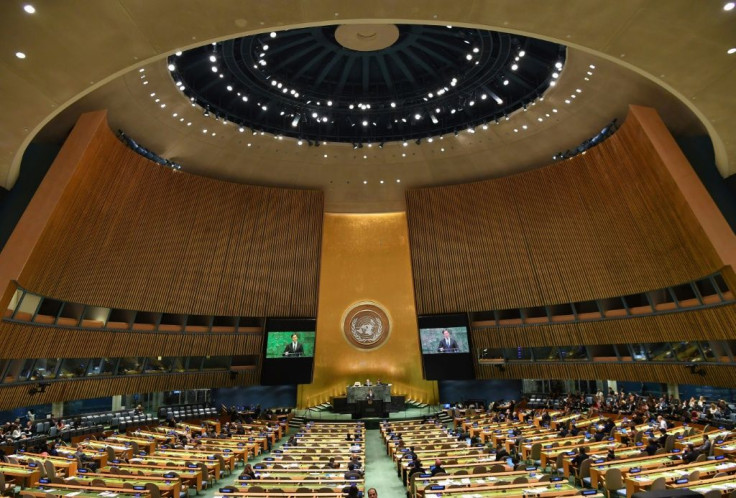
294 348
437 469
447 344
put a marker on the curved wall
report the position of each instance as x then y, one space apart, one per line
131 234
608 223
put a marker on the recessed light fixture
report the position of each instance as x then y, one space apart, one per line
20 55
381 181
732 51
727 7
273 34
171 67
32 10
398 181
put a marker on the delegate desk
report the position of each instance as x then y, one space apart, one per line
27 476
638 481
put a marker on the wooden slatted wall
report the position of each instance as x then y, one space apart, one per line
608 223
28 341
132 234
715 324
721 376
12 396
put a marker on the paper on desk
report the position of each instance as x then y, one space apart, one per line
75 493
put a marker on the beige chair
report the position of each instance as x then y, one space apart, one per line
99 483
613 482
48 466
520 480
658 484
701 458
694 476
153 489
110 453
495 468
582 476
713 493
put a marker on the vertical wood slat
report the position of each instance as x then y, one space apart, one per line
13 396
131 234
608 223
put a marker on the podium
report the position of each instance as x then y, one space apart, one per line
369 401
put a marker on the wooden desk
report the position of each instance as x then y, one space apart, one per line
28 476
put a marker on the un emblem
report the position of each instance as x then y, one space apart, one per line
366 325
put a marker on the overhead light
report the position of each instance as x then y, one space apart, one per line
514 67
732 51
32 10
469 57
393 104
365 123
299 142
213 58
417 116
273 34
522 53
405 144
727 7
295 121
20 55
214 69
558 65
476 50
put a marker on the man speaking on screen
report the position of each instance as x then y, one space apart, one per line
447 344
294 348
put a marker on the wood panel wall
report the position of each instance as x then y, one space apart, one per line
28 341
12 396
716 324
608 223
131 234
721 376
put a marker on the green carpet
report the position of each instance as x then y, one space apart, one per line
380 470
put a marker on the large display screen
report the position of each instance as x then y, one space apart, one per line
445 345
442 340
289 344
288 351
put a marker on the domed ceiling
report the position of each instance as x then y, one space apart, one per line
367 83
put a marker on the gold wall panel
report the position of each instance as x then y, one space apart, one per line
365 258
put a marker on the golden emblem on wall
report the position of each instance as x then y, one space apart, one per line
366 325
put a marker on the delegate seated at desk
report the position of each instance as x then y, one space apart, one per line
294 348
447 344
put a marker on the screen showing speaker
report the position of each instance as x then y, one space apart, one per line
288 351
445 345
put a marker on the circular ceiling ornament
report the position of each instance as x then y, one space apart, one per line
367 37
367 83
366 325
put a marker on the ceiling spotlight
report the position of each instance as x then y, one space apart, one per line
558 65
365 123
295 121
522 53
469 57
731 51
434 119
727 7
417 116
405 143
214 69
32 10
20 55
514 67
273 34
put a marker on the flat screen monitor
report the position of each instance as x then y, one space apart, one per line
445 345
288 351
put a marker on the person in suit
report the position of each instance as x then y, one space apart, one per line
294 348
437 469
352 473
447 344
705 447
691 454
